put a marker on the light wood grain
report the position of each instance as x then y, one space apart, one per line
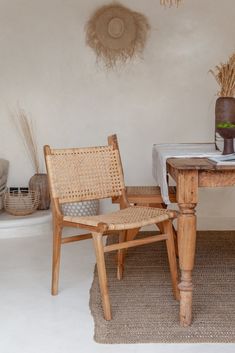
218 178
168 229
190 174
103 282
57 234
131 243
121 254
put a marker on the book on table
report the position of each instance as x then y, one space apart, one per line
225 159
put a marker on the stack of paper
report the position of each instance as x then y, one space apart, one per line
226 159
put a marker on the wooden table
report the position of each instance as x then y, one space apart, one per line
190 174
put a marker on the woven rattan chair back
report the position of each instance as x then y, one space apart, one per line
81 174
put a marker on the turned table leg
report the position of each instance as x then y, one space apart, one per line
186 245
187 199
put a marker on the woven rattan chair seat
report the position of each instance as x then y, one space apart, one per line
148 190
128 218
93 173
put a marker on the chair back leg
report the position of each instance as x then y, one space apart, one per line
130 234
121 255
168 229
103 282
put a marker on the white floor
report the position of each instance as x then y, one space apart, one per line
32 321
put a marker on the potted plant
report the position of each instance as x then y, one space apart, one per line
225 104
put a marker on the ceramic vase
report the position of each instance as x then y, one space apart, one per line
39 182
225 121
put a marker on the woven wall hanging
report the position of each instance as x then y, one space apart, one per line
116 34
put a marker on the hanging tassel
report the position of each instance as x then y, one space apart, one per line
170 2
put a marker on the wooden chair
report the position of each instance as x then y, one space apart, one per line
147 196
81 174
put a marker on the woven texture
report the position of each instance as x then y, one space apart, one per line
128 218
146 190
116 34
19 203
77 209
143 307
82 174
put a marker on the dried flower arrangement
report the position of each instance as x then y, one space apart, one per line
25 128
38 182
224 74
170 2
116 34
225 77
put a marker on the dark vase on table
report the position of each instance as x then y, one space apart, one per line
225 122
39 182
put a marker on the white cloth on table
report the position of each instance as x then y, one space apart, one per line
161 152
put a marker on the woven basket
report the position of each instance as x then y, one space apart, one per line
79 209
21 203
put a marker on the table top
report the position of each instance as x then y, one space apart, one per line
197 164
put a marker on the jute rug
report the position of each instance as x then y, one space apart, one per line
143 307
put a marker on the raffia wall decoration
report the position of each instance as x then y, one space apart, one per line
116 34
170 2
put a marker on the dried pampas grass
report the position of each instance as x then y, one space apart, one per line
225 77
170 2
25 128
116 34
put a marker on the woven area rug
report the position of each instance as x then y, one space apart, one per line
143 307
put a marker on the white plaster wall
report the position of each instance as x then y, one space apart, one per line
167 97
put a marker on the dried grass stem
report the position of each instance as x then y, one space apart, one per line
225 77
25 129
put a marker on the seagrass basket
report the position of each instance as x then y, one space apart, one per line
21 203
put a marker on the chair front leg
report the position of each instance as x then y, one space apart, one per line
103 282
170 244
57 232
